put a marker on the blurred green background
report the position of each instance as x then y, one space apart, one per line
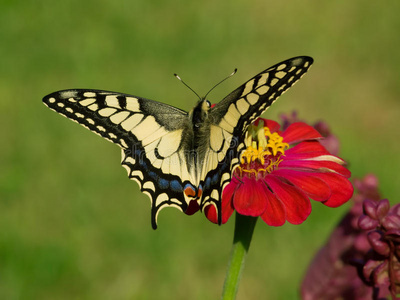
72 226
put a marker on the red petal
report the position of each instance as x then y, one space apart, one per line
315 165
298 206
211 213
308 182
307 149
299 131
229 190
275 213
249 198
227 200
341 188
309 156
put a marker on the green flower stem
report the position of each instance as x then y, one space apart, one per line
244 228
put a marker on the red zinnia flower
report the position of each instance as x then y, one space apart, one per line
275 181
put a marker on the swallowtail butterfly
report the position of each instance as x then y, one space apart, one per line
179 158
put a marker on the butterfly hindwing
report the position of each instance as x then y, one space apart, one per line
163 188
231 117
151 135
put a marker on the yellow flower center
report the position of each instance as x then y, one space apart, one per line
264 150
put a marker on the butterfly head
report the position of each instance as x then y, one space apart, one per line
205 105
199 113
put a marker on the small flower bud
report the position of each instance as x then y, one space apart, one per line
383 208
366 223
370 208
396 210
380 274
391 222
376 241
369 267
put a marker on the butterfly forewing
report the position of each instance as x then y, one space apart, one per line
241 107
231 117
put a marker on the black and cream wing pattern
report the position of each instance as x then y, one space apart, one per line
178 158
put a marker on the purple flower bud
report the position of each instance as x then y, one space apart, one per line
383 208
371 181
391 222
330 141
369 267
288 119
368 187
369 207
375 238
395 210
380 274
322 128
366 223
393 235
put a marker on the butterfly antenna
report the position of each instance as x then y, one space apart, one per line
176 75
229 76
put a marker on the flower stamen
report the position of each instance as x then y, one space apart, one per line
264 150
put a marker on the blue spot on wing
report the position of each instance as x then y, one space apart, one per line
207 184
176 186
189 185
153 175
215 178
163 183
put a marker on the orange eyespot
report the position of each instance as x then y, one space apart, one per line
190 192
